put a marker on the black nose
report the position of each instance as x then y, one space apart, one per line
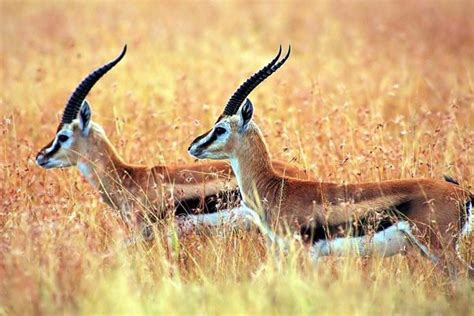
41 159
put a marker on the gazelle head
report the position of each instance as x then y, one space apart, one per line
76 129
235 124
225 138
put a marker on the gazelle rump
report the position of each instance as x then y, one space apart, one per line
382 217
142 194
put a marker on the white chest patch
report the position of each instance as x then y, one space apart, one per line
86 171
236 169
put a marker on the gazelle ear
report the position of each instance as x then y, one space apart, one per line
85 118
245 115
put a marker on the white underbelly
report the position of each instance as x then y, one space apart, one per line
387 242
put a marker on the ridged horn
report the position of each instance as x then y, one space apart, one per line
77 97
251 83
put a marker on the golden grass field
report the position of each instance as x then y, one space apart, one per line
374 90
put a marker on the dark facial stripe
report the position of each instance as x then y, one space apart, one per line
56 147
209 141
201 137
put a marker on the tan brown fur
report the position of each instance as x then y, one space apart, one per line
434 207
139 191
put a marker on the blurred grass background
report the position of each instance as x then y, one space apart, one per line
374 90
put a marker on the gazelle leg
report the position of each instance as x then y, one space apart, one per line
231 217
135 239
190 223
449 259
462 261
415 243
240 217
270 236
145 233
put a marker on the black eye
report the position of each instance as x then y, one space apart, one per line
63 138
219 131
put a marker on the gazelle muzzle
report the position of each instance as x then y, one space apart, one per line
199 145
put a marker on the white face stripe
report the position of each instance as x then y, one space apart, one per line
206 139
50 149
210 145
53 145
217 138
86 171
64 131
234 163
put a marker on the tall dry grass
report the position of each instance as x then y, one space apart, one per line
374 90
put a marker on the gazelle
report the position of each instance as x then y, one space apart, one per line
381 217
142 194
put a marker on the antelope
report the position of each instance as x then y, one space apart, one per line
142 194
379 218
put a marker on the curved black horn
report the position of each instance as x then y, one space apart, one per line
75 100
251 83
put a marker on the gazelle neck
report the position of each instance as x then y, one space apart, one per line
100 163
252 167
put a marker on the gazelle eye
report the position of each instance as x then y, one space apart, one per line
63 138
219 131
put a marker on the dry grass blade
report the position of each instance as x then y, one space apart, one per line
374 90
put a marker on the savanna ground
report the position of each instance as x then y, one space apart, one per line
373 91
